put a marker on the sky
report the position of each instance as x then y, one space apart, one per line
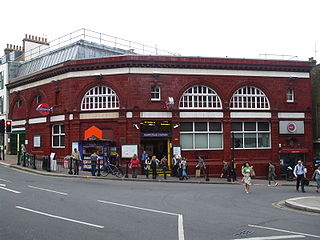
208 28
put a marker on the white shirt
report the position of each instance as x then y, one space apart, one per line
299 169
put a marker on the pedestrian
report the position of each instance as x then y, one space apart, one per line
174 170
225 170
300 173
147 166
144 157
76 160
272 174
134 163
164 165
316 176
183 167
154 164
23 152
247 172
201 166
233 173
94 158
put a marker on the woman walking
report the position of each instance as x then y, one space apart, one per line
316 176
134 165
247 172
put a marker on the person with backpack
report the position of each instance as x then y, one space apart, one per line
300 173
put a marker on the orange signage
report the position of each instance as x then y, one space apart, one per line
93 132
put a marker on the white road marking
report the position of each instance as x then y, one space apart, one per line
2 185
272 237
286 231
180 216
5 180
47 190
9 190
58 217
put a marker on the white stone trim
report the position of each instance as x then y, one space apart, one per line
37 120
99 115
156 114
57 118
178 71
250 115
71 116
129 114
18 129
290 115
18 123
201 114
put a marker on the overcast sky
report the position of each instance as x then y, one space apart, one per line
233 28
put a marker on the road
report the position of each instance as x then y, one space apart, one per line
40 207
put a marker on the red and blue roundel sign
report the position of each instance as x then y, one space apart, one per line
44 109
291 127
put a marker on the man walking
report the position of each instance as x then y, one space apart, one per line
76 161
94 158
300 173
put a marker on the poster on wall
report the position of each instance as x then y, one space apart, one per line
36 141
176 150
127 151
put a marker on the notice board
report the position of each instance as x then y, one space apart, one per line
127 151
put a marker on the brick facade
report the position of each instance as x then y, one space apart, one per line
131 78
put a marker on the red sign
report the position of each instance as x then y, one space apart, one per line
44 109
291 127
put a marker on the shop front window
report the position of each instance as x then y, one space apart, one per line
251 134
201 135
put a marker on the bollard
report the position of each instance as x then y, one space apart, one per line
49 165
70 166
19 156
34 161
24 159
99 173
207 174
127 169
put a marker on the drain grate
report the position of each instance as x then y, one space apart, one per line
243 233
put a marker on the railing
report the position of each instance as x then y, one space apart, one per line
99 38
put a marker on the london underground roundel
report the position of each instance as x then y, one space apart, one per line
44 109
291 127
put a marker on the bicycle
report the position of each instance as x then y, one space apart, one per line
111 168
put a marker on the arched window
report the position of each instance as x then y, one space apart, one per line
249 97
200 97
100 98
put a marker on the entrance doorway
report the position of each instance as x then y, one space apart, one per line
157 146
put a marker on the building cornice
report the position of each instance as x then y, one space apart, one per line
165 62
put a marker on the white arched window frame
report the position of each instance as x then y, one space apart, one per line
249 97
200 97
100 98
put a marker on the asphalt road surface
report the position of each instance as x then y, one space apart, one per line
39 207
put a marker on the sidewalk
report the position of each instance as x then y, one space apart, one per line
308 203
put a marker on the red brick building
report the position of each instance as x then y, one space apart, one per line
266 104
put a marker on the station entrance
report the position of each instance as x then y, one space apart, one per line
156 139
